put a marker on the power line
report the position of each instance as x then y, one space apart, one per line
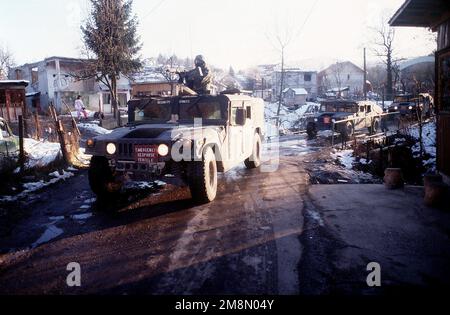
153 9
307 19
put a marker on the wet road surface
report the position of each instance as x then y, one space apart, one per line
246 242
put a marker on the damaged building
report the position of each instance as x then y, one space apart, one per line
51 81
296 79
341 77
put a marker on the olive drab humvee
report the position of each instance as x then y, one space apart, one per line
212 134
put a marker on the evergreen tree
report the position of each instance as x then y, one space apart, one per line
110 37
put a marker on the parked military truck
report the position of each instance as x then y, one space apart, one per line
346 116
413 106
212 134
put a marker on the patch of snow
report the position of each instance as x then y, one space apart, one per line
50 233
81 217
316 217
40 154
94 128
35 186
289 118
90 201
365 161
345 157
428 138
90 114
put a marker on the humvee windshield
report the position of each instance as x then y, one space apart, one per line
339 107
403 98
153 113
209 110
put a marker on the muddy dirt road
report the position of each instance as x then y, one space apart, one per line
246 242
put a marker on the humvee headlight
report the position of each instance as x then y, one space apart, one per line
316 120
111 148
163 150
395 108
90 143
410 107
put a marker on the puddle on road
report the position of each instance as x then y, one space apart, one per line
50 233
83 216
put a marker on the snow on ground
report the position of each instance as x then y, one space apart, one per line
74 114
94 128
35 186
289 119
428 140
40 154
344 157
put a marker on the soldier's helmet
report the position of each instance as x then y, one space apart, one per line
200 61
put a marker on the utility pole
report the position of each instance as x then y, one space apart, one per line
365 76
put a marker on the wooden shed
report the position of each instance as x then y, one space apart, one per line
12 99
434 14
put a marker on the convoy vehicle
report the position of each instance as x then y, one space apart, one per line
409 104
183 140
346 116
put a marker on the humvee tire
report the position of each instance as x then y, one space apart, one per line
100 176
202 178
375 127
311 131
254 161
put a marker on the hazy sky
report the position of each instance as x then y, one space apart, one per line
227 32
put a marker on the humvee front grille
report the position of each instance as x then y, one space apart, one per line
126 149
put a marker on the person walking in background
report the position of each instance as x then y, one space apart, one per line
80 108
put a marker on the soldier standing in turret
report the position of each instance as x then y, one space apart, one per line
199 79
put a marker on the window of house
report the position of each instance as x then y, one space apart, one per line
106 98
348 77
249 112
308 77
18 74
34 75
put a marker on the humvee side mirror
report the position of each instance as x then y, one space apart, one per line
240 117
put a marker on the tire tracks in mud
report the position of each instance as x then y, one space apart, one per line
248 247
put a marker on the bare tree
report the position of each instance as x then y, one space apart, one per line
384 42
112 45
280 41
6 62
167 69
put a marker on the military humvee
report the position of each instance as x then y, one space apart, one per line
212 134
353 116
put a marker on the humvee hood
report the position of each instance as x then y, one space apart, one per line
337 115
160 132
